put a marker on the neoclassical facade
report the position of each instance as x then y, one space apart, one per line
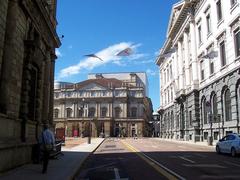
27 54
200 71
109 104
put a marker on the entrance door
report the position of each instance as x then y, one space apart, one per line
133 132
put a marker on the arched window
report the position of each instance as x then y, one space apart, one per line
227 105
80 112
204 110
91 112
214 107
56 113
103 112
69 112
133 112
117 111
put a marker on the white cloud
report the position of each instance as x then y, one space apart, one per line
58 53
108 55
151 72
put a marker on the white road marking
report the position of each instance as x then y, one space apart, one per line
234 164
204 165
186 159
165 168
117 176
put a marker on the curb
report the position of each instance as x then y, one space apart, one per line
83 160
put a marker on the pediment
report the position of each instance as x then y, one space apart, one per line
93 86
176 9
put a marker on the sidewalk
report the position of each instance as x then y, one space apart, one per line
187 142
63 168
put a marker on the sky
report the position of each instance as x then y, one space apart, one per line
105 27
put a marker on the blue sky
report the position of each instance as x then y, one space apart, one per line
104 27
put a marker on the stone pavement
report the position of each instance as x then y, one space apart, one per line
186 142
63 168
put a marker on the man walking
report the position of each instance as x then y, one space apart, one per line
47 141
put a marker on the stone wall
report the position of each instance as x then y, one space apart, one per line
26 78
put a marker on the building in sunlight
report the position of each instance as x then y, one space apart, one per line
27 54
104 104
199 71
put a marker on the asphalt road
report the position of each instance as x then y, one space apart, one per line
114 160
189 161
151 159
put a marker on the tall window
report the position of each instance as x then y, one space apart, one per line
56 112
237 42
172 120
204 111
69 112
209 28
91 112
227 105
200 34
190 118
80 112
117 112
134 112
222 53
219 10
103 112
214 108
202 70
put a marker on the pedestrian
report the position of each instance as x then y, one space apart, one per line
47 142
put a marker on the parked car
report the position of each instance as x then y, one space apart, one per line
229 144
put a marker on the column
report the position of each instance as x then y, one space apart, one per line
46 89
175 69
186 51
8 57
194 56
180 65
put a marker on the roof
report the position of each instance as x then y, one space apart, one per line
104 82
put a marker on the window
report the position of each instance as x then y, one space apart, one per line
222 53
190 118
204 111
219 10
172 119
237 42
69 112
91 112
209 28
133 112
227 105
215 135
117 112
202 70
205 135
199 35
103 112
80 112
170 71
214 108
56 112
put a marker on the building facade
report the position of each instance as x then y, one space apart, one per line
200 71
109 104
27 54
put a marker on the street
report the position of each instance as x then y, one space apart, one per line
149 158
